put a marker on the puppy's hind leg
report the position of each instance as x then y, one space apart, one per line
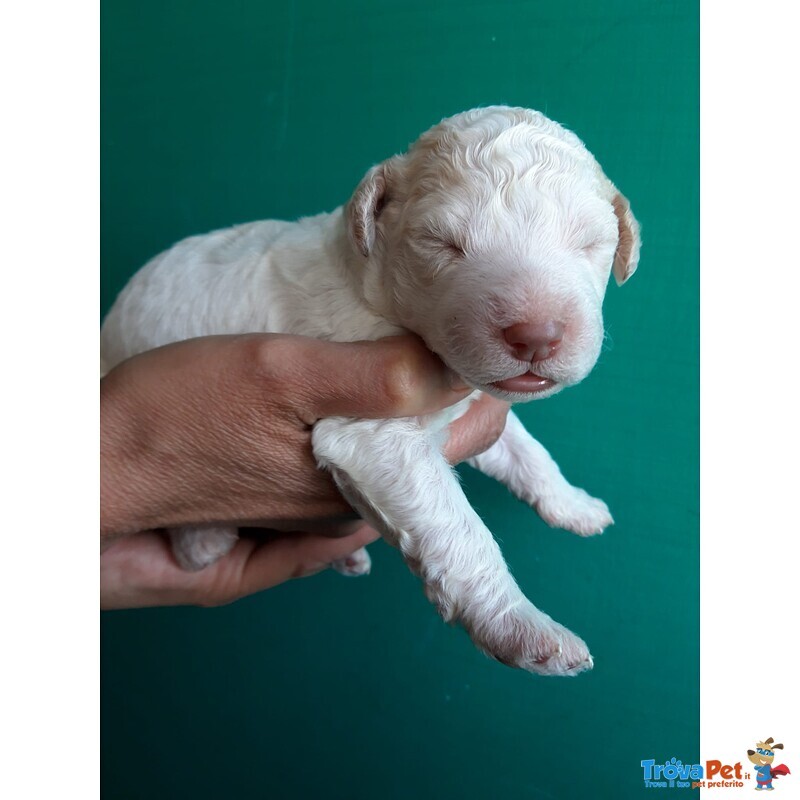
519 462
196 548
354 565
393 474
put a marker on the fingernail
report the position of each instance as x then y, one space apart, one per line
456 382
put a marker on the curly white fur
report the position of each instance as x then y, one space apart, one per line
494 217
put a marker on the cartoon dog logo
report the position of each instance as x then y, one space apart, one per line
762 757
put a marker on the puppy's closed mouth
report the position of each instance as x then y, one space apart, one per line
528 382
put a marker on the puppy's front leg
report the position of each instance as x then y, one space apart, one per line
395 476
519 462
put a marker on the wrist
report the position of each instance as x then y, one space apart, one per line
127 496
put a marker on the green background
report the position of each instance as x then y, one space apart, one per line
219 113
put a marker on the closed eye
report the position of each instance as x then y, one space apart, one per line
454 249
445 244
592 249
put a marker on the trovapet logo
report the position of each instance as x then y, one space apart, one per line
673 774
716 774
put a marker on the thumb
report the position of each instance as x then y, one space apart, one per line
393 377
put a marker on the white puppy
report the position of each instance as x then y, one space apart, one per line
492 238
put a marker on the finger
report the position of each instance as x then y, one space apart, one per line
477 430
296 556
139 570
393 377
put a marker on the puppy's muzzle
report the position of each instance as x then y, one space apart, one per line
531 342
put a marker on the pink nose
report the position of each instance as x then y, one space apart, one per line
534 341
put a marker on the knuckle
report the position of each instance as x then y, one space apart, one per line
401 381
268 358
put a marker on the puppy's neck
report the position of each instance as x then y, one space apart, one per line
330 290
363 276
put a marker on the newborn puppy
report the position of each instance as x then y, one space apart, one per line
492 238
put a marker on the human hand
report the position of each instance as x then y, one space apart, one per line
218 430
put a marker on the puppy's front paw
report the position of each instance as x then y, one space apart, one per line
354 565
526 638
574 510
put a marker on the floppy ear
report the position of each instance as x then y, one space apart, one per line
777 747
364 209
626 259
383 183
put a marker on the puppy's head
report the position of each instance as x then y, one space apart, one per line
493 238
